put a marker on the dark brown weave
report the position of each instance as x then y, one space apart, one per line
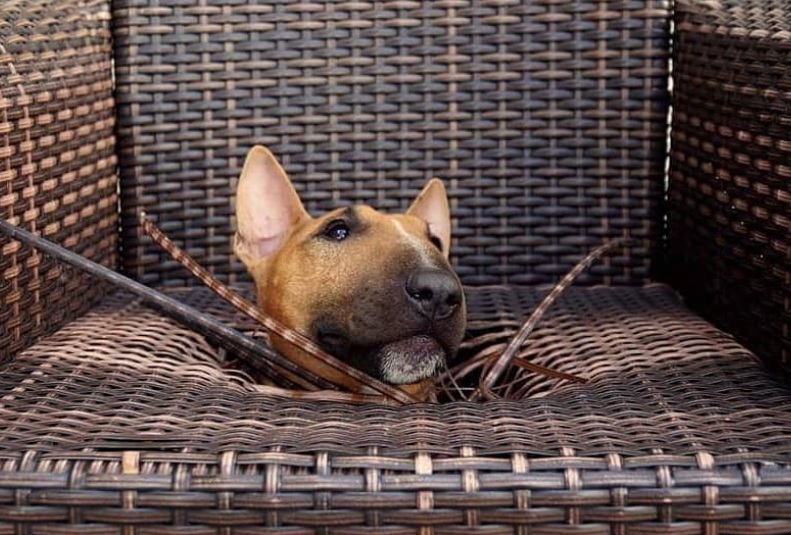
546 119
730 175
125 418
123 422
57 161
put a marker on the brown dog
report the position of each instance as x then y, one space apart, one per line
375 290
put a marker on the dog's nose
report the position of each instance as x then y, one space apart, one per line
436 293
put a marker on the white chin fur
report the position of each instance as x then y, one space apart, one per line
410 361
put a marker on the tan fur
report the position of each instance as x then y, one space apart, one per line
303 275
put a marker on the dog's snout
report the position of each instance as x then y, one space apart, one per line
436 293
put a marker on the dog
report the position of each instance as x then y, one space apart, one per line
376 291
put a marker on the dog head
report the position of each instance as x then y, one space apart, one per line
375 290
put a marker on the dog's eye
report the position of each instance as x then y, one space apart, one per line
436 241
337 230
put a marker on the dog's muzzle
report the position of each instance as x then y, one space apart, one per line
400 333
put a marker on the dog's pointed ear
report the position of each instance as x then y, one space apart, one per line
267 207
431 205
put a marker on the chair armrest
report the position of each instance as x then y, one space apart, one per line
730 170
58 174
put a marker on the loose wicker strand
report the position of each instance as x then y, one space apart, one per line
251 351
495 371
351 378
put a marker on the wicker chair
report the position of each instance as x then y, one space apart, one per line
548 122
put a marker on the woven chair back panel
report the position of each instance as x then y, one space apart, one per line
546 120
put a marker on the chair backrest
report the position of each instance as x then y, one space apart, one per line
57 160
546 120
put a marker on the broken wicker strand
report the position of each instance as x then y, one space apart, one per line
497 368
342 374
251 351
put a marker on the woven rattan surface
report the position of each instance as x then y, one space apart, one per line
546 119
730 176
57 161
125 417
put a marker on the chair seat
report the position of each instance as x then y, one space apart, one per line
660 381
